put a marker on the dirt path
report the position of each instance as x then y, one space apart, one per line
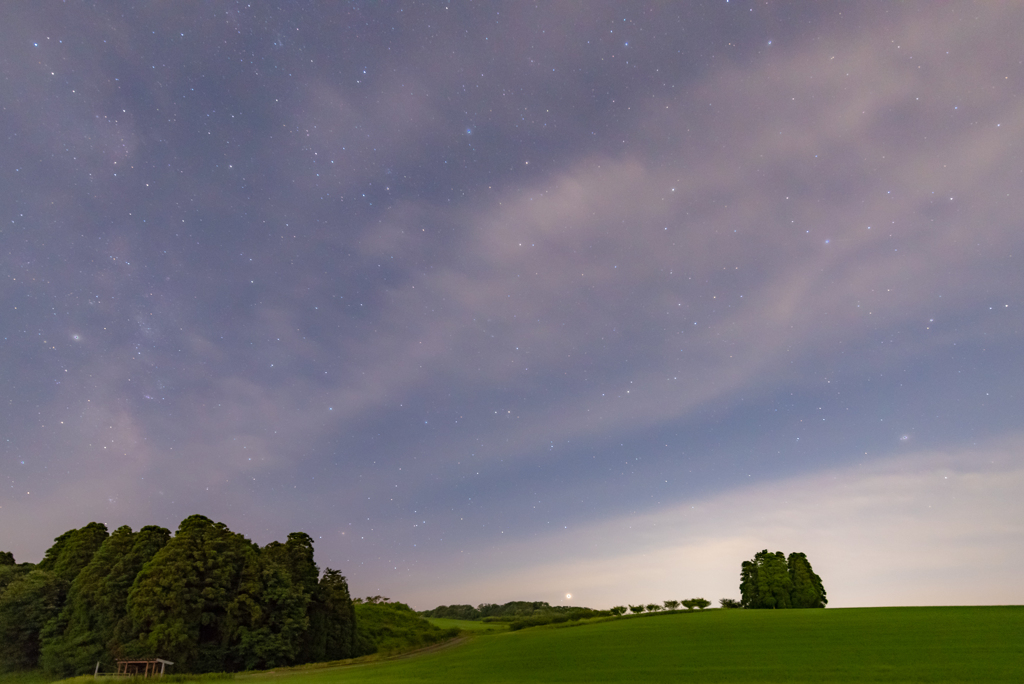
428 649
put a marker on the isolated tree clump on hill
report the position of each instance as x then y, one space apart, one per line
770 580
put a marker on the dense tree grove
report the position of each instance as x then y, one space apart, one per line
206 598
771 580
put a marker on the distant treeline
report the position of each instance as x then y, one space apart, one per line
526 612
206 598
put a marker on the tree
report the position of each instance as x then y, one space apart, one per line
11 573
700 603
26 605
333 619
808 591
671 605
7 558
82 633
637 609
73 550
618 610
772 581
180 605
296 555
31 600
653 607
267 615
729 603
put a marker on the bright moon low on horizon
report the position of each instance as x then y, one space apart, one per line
568 301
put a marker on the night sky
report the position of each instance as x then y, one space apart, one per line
506 300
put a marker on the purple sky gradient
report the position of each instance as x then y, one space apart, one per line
504 302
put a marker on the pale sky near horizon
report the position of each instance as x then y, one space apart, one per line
504 301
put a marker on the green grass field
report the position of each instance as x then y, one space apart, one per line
976 644
25 677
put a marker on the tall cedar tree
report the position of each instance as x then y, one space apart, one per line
808 591
180 605
26 605
83 633
73 550
267 616
333 621
32 600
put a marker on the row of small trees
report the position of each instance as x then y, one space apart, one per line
689 604
207 598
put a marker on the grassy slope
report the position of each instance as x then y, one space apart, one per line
982 644
394 628
468 625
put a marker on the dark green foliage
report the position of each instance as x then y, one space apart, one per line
513 610
179 605
729 603
83 632
73 550
6 558
31 600
637 609
296 556
671 605
391 627
517 609
10 573
621 610
336 617
699 603
26 605
652 607
807 589
267 616
454 612
208 599
770 581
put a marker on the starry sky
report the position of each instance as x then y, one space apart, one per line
507 300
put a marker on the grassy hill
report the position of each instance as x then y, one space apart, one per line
968 644
393 627
972 644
